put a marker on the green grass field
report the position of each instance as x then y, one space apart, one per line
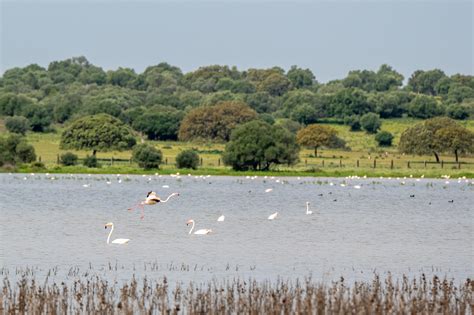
329 162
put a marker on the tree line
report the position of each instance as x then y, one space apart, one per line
162 101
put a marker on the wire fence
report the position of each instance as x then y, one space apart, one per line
311 163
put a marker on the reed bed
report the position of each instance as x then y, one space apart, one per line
96 295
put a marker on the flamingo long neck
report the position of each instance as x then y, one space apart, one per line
168 198
110 234
192 228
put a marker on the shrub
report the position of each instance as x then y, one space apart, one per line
38 166
68 159
17 124
370 122
353 122
187 159
15 149
257 145
384 138
91 161
25 152
147 156
458 111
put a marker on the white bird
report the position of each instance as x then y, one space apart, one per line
151 199
86 185
272 216
119 241
357 186
307 208
198 232
268 190
221 218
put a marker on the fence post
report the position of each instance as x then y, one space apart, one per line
442 164
218 162
305 162
57 158
375 163
340 163
459 165
323 163
391 164
39 158
112 160
408 164
357 163
166 161
201 161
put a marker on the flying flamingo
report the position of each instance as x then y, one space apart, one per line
199 232
307 208
151 199
119 241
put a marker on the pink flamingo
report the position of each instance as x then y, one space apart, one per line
151 199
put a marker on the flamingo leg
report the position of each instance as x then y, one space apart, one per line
143 211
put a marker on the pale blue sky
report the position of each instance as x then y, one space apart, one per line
329 37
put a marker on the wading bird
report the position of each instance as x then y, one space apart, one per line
221 218
119 241
151 199
307 208
272 216
199 232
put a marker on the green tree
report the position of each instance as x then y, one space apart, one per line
387 79
147 156
424 107
384 138
14 149
455 139
426 138
17 124
370 122
275 84
458 111
160 124
300 78
316 136
349 102
124 77
215 122
425 81
97 133
187 159
257 145
38 116
261 102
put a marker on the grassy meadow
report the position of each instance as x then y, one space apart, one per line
359 160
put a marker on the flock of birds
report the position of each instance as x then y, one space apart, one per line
152 199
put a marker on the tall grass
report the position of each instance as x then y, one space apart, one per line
95 295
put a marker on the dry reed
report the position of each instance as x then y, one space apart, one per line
96 295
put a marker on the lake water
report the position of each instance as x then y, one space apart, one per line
402 226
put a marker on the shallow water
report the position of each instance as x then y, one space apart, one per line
352 232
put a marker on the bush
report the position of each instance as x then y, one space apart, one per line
15 149
257 145
91 161
38 166
384 138
68 159
25 152
147 156
458 111
353 122
370 122
187 159
17 124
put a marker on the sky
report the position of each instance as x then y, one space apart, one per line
329 37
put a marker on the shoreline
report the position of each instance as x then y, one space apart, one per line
369 173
